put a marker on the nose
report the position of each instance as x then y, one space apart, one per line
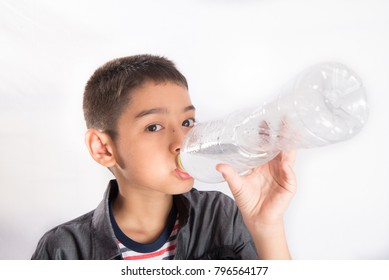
177 137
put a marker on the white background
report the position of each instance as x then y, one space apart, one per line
234 54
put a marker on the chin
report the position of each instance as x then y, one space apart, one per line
184 187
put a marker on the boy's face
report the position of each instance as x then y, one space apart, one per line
150 133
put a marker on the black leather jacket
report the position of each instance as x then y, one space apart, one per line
211 227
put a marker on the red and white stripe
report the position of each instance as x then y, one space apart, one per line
167 250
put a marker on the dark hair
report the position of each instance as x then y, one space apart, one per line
107 93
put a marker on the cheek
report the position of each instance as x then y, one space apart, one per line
151 153
148 159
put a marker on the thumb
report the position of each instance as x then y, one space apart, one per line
232 178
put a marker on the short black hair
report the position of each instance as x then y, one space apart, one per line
107 92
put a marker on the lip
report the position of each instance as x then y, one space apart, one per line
182 174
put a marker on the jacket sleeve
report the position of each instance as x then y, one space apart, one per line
65 242
243 243
219 230
49 248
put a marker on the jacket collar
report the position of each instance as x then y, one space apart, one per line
103 236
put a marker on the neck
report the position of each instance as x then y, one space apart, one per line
142 214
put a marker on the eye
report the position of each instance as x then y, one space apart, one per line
188 123
154 127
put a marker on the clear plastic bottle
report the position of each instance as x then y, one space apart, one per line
323 105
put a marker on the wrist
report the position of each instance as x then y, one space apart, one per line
265 224
270 240
270 230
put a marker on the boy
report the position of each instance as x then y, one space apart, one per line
138 110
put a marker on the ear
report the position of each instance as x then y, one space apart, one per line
100 146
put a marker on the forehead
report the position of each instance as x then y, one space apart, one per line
152 95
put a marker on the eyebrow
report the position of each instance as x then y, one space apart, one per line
160 110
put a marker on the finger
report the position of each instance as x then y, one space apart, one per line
281 168
289 177
286 136
229 174
264 135
284 177
289 157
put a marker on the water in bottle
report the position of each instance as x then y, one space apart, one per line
323 105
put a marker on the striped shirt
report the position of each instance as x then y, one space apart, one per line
164 248
166 252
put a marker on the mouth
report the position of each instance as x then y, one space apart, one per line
182 174
180 171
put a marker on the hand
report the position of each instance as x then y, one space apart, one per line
264 194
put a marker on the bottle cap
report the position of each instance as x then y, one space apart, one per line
179 163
